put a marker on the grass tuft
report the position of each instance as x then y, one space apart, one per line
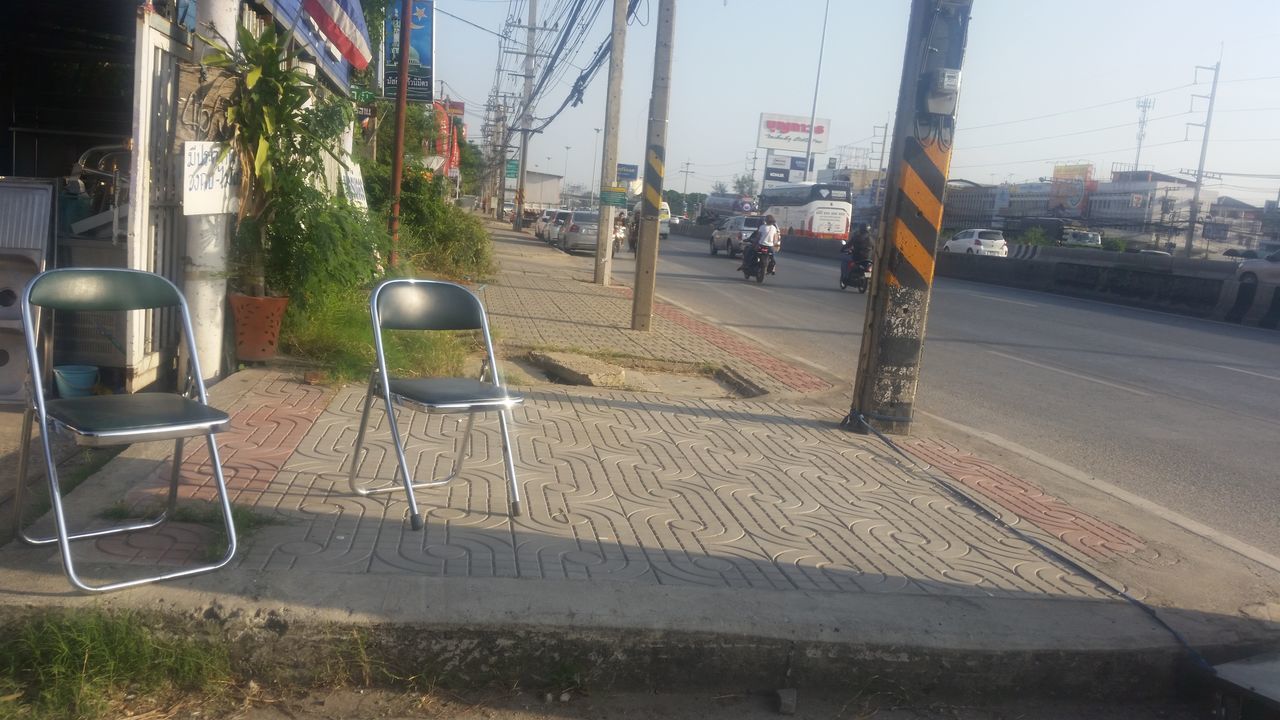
75 665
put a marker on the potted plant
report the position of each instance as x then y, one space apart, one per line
278 133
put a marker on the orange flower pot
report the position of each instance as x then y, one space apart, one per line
257 325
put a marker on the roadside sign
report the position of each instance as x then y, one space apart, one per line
628 172
513 168
614 195
362 96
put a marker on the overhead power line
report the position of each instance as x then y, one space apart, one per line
1069 134
1129 99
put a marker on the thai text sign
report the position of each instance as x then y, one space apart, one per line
209 186
791 132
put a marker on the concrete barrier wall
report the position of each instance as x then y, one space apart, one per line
1199 288
692 230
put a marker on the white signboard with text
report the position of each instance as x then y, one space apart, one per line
791 132
209 187
353 186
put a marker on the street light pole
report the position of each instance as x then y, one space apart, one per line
813 113
564 178
591 189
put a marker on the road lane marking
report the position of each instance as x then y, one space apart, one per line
1003 300
1194 526
1072 374
1248 372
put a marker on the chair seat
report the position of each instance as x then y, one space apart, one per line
452 393
115 419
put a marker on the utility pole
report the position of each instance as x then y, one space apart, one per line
686 172
1144 106
655 157
817 80
526 116
609 155
893 336
1204 151
402 109
883 131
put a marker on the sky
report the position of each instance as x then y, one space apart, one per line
1043 82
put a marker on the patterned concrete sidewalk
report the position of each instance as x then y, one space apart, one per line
618 487
542 299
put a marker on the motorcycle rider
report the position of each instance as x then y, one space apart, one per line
858 248
766 236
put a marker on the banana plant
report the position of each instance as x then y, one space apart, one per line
268 131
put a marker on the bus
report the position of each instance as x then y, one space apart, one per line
818 210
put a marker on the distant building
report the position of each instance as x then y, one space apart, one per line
1144 203
541 190
970 205
1234 220
858 178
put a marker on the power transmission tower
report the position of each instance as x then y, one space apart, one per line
924 129
654 170
1144 106
1204 151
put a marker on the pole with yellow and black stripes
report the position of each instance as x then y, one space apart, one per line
655 157
910 222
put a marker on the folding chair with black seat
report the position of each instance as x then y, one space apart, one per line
425 305
100 420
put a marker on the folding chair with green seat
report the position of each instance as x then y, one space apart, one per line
114 419
424 305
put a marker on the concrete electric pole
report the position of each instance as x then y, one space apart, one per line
654 169
526 115
1204 151
609 156
924 128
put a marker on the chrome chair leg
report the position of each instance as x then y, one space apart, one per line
359 446
509 462
19 501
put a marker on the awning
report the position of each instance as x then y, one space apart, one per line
346 22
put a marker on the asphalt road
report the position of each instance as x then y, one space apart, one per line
1179 411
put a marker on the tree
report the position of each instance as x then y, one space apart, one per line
676 200
719 187
744 184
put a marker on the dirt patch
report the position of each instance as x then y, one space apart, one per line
702 380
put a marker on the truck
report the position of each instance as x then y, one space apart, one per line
719 206
1059 231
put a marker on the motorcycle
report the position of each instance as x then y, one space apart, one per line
855 272
757 260
619 235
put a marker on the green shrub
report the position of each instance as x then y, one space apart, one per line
1114 244
335 330
1034 236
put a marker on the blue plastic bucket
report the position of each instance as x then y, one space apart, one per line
75 380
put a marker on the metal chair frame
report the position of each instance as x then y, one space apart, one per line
113 289
502 401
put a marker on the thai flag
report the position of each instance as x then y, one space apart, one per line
342 21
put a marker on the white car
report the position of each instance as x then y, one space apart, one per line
979 241
1266 270
540 225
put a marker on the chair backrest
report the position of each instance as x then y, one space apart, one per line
101 289
407 304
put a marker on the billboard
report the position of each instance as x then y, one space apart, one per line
791 132
1069 191
421 45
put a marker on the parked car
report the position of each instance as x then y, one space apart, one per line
551 231
540 225
1266 270
580 231
978 241
730 234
